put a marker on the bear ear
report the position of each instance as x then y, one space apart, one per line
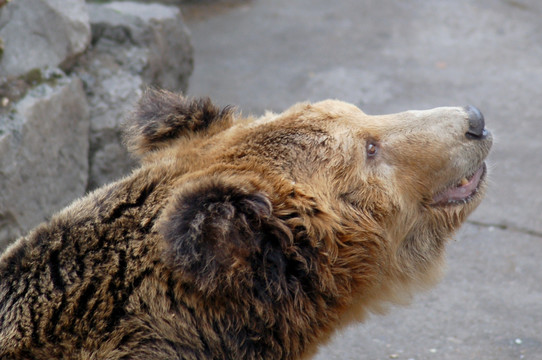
222 236
161 116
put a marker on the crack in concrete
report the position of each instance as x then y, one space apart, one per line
506 227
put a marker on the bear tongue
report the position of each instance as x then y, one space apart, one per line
462 191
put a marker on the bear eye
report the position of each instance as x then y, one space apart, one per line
372 149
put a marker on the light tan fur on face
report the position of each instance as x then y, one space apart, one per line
241 238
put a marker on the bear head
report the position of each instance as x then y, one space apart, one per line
321 198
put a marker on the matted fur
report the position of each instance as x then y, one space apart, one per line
240 239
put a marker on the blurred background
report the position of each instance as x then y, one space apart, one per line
71 70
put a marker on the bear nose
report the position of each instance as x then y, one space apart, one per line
476 123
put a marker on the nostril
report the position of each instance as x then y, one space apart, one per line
476 123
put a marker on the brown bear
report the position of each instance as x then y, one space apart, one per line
244 238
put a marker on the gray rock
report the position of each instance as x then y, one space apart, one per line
112 96
41 33
53 145
44 154
167 59
134 45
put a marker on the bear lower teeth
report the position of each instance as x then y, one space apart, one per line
464 182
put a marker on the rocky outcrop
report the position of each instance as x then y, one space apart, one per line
43 153
69 74
41 33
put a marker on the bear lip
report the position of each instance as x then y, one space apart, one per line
463 191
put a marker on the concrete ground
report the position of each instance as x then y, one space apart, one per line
388 56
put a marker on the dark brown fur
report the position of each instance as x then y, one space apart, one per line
253 241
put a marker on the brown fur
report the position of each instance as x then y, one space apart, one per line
240 239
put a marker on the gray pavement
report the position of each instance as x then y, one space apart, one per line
388 56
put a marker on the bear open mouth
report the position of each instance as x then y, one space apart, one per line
463 191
